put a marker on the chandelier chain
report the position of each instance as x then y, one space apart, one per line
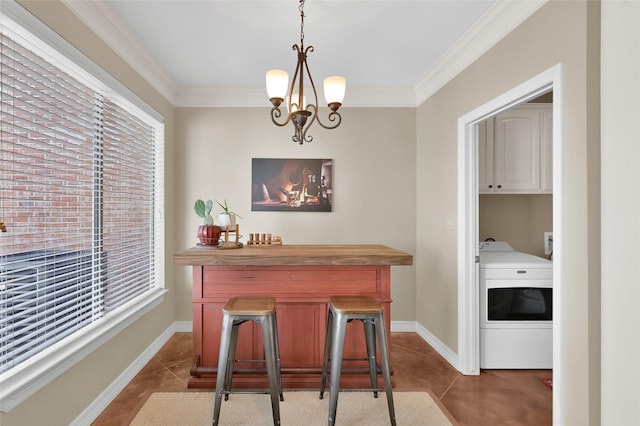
301 8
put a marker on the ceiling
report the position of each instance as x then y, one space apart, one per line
215 52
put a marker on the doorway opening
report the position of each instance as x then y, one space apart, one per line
468 234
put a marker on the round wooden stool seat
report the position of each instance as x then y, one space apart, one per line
355 304
250 305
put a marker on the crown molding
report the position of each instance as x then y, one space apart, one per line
252 97
496 23
107 25
397 96
493 26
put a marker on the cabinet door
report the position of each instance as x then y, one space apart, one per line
546 146
485 156
301 334
517 151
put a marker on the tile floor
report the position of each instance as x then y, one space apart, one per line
495 397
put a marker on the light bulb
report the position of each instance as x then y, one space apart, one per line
294 106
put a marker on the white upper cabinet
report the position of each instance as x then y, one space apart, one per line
514 151
546 154
485 156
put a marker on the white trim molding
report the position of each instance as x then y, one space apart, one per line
111 392
496 23
252 97
468 271
414 327
34 374
100 17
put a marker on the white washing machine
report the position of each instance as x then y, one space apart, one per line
516 322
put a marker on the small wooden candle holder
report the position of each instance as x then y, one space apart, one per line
264 240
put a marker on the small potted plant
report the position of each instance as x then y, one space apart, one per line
226 217
209 234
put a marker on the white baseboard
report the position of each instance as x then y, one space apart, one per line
412 326
403 326
183 327
112 391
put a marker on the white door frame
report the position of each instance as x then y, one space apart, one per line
468 270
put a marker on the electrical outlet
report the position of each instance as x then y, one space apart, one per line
548 243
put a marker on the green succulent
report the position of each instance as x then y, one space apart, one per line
225 208
204 211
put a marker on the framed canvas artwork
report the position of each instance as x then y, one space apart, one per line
290 184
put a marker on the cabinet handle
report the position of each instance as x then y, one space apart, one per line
490 186
499 186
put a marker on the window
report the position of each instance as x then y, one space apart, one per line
81 196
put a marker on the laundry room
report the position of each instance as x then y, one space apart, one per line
515 231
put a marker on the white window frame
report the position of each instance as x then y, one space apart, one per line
23 381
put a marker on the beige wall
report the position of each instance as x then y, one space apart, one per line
620 213
557 33
520 220
61 401
373 154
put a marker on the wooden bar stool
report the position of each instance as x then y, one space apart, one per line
261 310
341 310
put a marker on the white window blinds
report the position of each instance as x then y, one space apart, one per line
80 198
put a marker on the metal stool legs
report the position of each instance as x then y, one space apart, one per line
236 312
232 355
372 316
370 338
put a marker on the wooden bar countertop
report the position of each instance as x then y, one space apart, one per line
295 254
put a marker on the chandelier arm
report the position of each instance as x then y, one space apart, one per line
313 85
314 115
294 80
333 117
306 138
275 114
296 136
301 136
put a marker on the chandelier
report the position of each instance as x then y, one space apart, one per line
301 114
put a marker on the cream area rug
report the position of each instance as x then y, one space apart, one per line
298 408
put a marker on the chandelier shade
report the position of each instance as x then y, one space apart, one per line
300 113
277 81
334 88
